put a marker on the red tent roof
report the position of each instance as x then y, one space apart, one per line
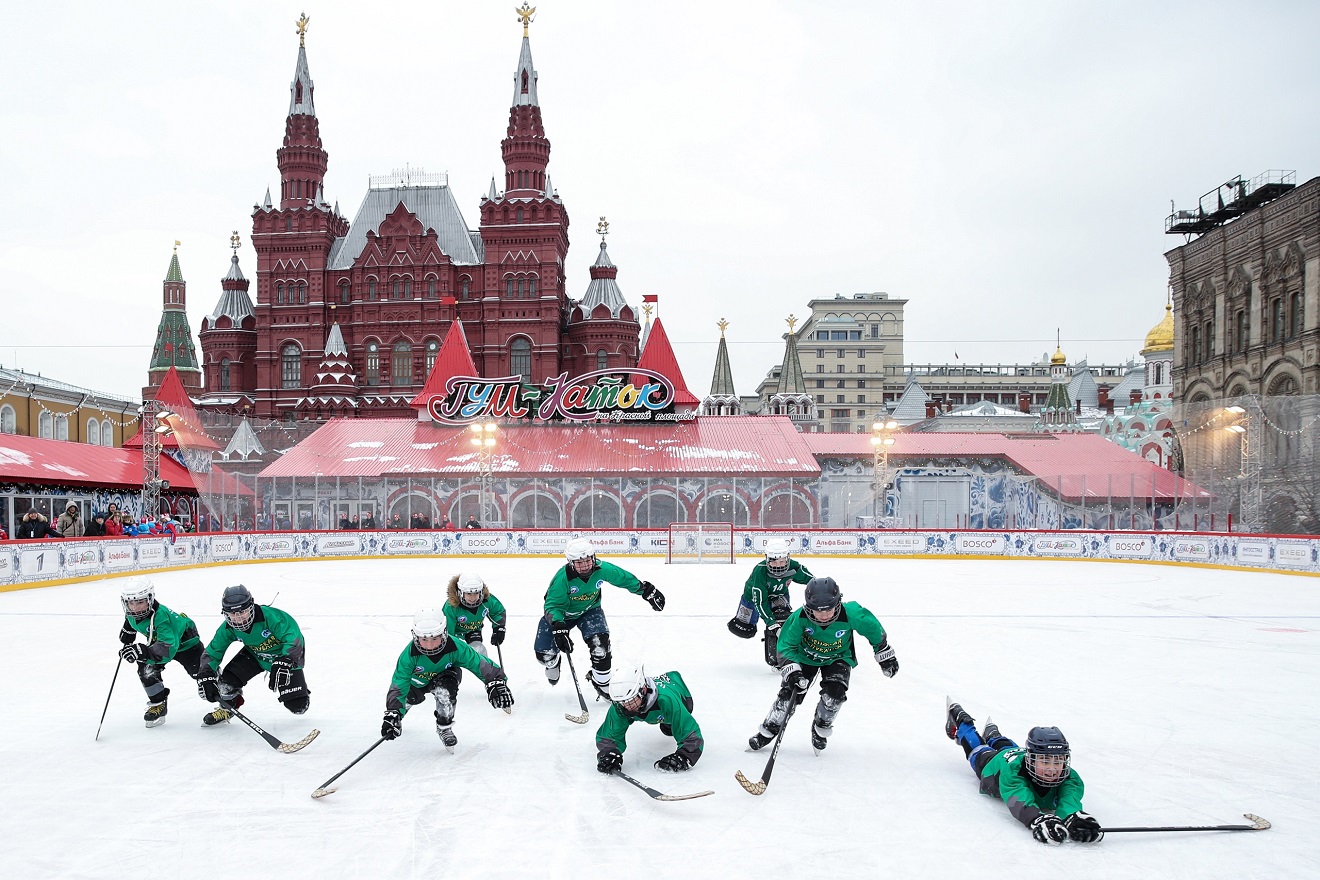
1077 465
35 460
719 447
659 356
453 359
187 432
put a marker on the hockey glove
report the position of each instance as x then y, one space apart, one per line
609 762
1083 828
884 655
563 638
127 635
392 726
496 635
208 685
794 678
281 673
742 629
497 691
654 597
133 653
675 763
1048 829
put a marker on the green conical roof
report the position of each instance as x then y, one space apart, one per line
174 344
174 273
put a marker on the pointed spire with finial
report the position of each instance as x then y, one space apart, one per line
790 371
721 384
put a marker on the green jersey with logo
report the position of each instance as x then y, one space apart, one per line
461 621
416 671
168 632
571 596
273 634
1006 776
769 594
668 707
803 640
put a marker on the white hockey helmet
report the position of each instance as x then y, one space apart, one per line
629 686
776 556
138 590
581 556
429 624
469 583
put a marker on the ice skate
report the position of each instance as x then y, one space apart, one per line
991 732
602 690
818 741
552 673
222 713
760 740
956 716
155 714
447 737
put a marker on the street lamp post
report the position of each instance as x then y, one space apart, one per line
1247 429
484 439
881 438
154 421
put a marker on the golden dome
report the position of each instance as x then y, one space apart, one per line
1058 358
1160 337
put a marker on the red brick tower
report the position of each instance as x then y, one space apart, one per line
229 340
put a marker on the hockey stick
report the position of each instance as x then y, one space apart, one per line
508 710
655 795
585 716
107 700
323 791
286 748
759 787
1257 824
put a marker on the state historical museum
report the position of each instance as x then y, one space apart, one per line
348 318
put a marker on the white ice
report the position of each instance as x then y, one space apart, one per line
1188 696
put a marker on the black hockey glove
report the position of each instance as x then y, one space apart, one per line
281 673
127 635
497 691
1083 828
742 629
392 726
675 763
563 637
609 762
884 655
1048 829
133 653
654 597
496 635
794 678
208 685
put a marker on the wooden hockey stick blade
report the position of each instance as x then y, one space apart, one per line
682 797
578 719
757 787
322 792
508 710
656 795
290 748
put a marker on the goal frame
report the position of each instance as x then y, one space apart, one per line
711 543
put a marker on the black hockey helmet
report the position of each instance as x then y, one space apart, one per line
1049 758
238 607
823 599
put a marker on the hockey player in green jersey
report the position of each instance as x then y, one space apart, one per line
1037 783
470 603
818 638
169 635
765 595
432 664
573 600
272 642
664 700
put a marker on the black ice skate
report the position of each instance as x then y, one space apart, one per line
760 740
221 714
602 690
818 734
447 737
957 715
991 732
155 714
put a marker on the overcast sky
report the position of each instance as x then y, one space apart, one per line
1004 167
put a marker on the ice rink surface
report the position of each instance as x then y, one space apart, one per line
1188 696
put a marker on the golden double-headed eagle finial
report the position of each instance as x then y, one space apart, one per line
235 242
603 228
792 320
721 323
526 14
301 24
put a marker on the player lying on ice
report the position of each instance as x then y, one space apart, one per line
1037 783
664 700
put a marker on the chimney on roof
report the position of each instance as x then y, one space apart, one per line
1024 402
1102 395
1135 397
932 408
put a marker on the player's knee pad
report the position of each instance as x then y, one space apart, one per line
599 643
834 691
148 674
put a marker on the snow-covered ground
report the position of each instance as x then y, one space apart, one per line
1188 696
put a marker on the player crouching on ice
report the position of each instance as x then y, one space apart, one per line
1037 783
765 595
664 700
470 603
431 665
573 599
170 636
272 642
818 638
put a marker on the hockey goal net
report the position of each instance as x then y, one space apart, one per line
700 542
